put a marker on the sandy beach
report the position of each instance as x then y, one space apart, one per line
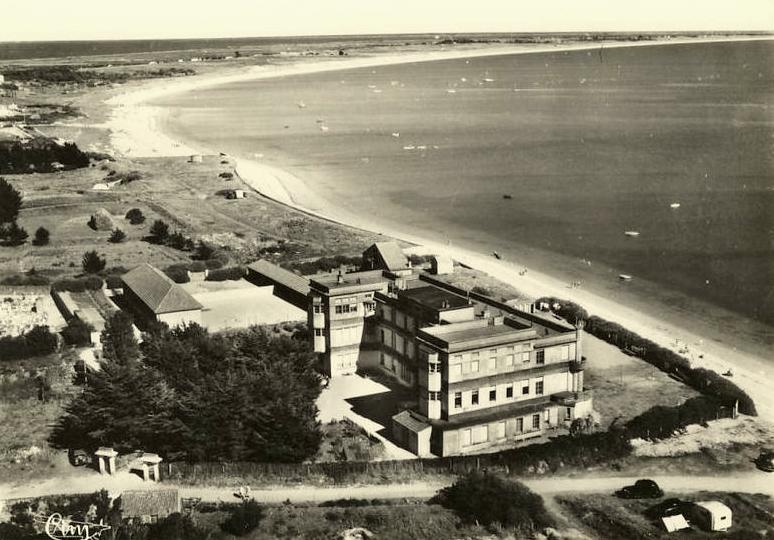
136 130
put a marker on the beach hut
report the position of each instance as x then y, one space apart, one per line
235 194
196 158
711 515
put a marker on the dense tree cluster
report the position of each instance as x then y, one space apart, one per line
189 395
20 158
61 74
92 263
488 500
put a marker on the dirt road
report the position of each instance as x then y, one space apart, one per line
757 482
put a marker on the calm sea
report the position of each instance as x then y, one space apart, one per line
548 158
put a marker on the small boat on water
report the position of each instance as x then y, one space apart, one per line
624 277
507 197
395 134
487 79
409 147
496 255
674 205
631 233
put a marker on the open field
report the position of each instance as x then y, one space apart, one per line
180 193
625 386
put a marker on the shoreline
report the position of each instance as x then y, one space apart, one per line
136 132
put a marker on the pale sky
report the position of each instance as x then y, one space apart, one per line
25 20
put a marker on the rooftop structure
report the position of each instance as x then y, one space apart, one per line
287 285
151 294
385 256
147 506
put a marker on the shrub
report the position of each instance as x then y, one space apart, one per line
77 332
90 283
176 240
233 273
178 273
488 500
481 290
14 234
38 341
204 251
92 263
243 519
135 216
10 202
197 266
25 279
117 236
159 231
131 176
213 264
113 281
177 527
41 237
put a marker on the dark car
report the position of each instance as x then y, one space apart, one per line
642 489
765 461
666 508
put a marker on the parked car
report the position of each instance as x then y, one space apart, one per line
765 461
642 489
666 508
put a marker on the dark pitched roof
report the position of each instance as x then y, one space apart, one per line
158 291
137 503
392 255
411 421
281 276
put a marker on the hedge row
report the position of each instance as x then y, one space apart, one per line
233 273
706 381
37 342
88 283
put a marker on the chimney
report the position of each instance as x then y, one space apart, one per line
532 307
340 278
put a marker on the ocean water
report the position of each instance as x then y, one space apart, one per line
585 144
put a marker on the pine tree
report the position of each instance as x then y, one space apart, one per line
117 236
10 202
159 231
16 235
118 342
92 263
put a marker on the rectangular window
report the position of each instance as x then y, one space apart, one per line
457 400
493 393
525 388
492 364
540 357
492 352
382 336
465 437
525 357
509 360
381 358
475 355
433 396
520 425
318 308
568 413
474 366
339 310
535 421
509 391
479 434
539 387
501 430
474 397
433 367
318 332
456 370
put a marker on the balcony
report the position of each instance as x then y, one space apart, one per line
576 366
569 399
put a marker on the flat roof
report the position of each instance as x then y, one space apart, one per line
471 334
434 298
370 279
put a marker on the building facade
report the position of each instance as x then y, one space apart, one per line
485 373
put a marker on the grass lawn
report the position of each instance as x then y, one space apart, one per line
401 521
625 386
606 516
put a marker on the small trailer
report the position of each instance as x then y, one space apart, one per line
710 515
235 194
